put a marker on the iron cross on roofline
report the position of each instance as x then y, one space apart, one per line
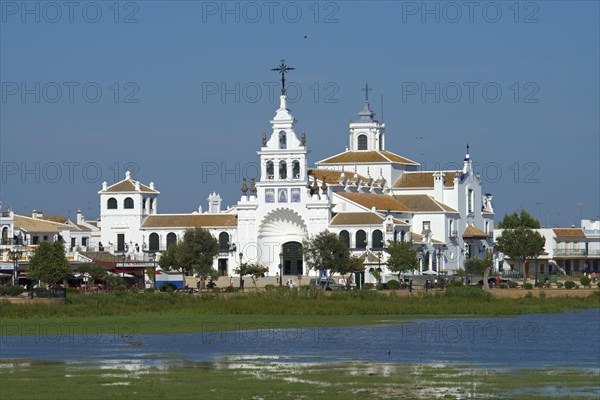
283 69
367 89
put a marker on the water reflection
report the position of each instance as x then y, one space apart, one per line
569 338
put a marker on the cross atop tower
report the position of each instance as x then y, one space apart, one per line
366 90
283 69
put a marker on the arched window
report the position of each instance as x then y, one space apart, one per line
144 203
128 203
154 242
224 241
362 143
111 204
282 140
361 240
270 170
377 239
345 238
296 169
402 236
171 239
282 170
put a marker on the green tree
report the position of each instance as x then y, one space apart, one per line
402 257
326 251
49 264
520 244
352 265
193 255
93 271
254 270
516 220
168 259
480 266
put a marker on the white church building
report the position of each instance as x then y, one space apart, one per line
365 194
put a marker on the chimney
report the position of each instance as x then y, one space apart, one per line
214 203
438 186
36 214
80 219
152 185
104 185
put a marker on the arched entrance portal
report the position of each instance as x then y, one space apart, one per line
292 258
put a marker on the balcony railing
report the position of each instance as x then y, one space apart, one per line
570 252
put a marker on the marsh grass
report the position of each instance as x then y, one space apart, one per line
456 300
254 379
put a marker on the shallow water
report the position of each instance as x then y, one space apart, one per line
569 339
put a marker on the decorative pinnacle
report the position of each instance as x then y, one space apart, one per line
252 187
303 139
264 139
324 186
244 187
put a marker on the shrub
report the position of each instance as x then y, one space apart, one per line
368 286
14 290
527 286
569 284
559 285
149 290
272 287
167 287
119 290
465 292
393 284
513 285
585 281
548 284
72 291
232 289
456 284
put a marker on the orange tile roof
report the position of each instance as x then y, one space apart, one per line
381 202
472 232
423 179
357 218
422 203
569 232
373 156
189 220
55 218
128 185
332 176
39 225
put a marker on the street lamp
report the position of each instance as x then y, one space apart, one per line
379 254
15 255
280 269
241 276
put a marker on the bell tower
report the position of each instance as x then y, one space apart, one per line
366 134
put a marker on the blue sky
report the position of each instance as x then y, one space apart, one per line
171 90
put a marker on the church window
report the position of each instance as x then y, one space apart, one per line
361 240
111 204
283 195
296 169
171 239
154 241
295 195
282 170
223 241
128 203
269 195
377 239
282 140
470 200
270 170
362 142
345 237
